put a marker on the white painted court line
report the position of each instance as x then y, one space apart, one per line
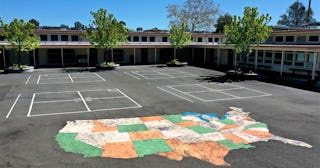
14 103
31 104
70 78
186 93
56 78
105 98
99 76
28 79
165 74
38 79
55 92
136 73
129 98
84 102
78 112
175 94
220 92
54 101
131 75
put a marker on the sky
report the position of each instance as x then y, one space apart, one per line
136 13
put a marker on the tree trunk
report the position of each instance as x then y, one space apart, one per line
19 55
174 53
112 55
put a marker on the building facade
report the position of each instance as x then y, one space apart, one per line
285 51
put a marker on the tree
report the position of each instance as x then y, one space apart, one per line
35 22
297 16
249 31
178 37
105 31
79 26
199 15
222 21
21 35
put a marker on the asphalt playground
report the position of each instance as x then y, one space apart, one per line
35 106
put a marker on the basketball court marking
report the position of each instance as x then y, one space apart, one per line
69 78
84 101
162 74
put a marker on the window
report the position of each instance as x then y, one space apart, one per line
164 39
301 38
144 39
299 59
54 56
288 58
64 38
151 39
289 38
260 56
43 37
314 38
277 57
75 38
199 39
54 37
268 58
216 39
136 38
210 39
269 40
279 39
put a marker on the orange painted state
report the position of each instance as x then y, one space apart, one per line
99 127
208 151
235 139
123 150
229 127
187 123
152 118
259 134
145 135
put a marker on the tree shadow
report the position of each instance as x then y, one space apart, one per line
220 78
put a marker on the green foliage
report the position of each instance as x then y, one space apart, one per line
249 31
296 16
34 21
175 61
21 35
222 21
105 31
79 26
199 15
108 64
179 37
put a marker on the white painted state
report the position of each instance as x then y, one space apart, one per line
14 103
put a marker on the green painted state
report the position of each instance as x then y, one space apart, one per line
152 146
68 142
227 121
232 146
202 130
132 128
173 118
256 125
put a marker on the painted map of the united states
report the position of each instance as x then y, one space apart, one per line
203 136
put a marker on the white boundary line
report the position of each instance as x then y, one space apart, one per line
70 78
220 92
139 74
71 82
84 102
28 79
54 101
104 98
77 112
31 104
99 76
175 94
131 75
163 74
187 94
38 79
129 98
7 116
215 90
57 78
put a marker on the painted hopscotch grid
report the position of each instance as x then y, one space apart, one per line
69 78
72 102
161 74
210 92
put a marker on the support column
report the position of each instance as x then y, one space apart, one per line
34 58
282 60
218 58
134 55
88 56
314 65
62 62
155 55
204 56
192 55
235 59
256 61
4 59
